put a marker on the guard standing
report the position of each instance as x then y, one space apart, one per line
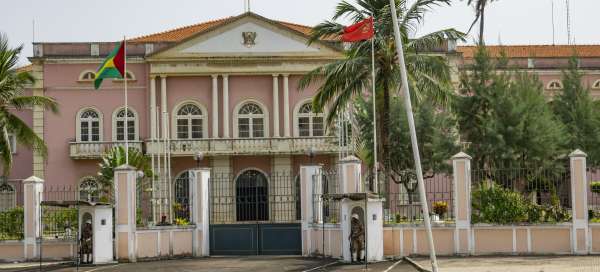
357 239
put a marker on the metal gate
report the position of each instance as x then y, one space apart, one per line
255 214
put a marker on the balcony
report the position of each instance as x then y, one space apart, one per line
261 146
95 150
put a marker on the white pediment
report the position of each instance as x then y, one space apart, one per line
263 38
265 41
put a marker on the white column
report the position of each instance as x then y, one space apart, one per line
125 208
286 106
579 194
215 106
163 103
200 211
309 175
153 107
33 188
461 165
225 106
275 105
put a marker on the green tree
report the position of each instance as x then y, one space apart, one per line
575 108
480 6
13 98
438 140
116 158
504 117
342 81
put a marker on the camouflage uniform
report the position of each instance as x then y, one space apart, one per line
357 239
86 243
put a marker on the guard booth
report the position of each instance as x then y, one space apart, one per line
97 217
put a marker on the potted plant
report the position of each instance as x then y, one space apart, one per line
595 186
440 208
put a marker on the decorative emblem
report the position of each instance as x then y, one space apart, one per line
249 39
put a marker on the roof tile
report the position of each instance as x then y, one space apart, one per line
535 51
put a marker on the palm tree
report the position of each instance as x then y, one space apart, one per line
349 77
480 6
12 98
115 158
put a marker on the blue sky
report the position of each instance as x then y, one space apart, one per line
508 21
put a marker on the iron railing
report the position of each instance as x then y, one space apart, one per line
593 197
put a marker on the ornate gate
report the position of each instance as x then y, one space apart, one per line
255 214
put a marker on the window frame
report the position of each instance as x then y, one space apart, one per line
550 87
237 116
203 117
98 187
78 121
596 85
310 116
84 73
116 119
12 139
132 79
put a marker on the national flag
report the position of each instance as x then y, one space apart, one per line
360 31
113 66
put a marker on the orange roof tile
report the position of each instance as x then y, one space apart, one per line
26 68
179 34
537 51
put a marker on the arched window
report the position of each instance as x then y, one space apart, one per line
596 84
555 85
119 125
87 76
181 192
310 124
89 126
251 121
190 122
89 190
130 76
252 196
8 197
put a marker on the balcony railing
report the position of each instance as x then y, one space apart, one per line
255 146
95 150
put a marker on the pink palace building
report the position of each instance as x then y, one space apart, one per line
225 89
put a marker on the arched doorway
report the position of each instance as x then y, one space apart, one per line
181 193
252 196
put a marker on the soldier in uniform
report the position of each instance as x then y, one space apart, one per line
86 242
357 238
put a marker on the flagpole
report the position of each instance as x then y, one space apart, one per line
413 135
375 174
126 126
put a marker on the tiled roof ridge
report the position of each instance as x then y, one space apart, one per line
214 21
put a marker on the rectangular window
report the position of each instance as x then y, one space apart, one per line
84 132
258 130
131 130
121 130
244 127
318 129
304 126
182 129
95 131
196 128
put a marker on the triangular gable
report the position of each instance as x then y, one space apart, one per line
247 35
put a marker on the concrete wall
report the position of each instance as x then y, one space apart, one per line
165 242
13 251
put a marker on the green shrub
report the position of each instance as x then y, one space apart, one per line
11 224
440 208
595 186
496 205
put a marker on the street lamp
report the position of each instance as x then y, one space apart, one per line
199 156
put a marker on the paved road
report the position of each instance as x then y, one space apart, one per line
241 264
518 264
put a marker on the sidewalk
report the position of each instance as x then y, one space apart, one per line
28 265
517 264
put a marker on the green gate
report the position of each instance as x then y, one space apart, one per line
255 214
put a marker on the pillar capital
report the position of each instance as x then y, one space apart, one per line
214 76
225 76
275 75
33 180
163 76
577 154
461 156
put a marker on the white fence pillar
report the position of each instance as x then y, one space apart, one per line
125 207
33 189
200 211
350 180
579 193
461 164
307 174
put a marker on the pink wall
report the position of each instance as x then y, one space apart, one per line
180 89
59 129
22 167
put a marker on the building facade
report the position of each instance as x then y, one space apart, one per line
226 89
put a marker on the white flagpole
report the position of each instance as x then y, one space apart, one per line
413 135
126 126
375 162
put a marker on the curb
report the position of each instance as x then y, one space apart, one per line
415 265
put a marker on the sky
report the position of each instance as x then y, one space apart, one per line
522 22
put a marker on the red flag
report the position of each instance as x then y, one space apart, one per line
360 31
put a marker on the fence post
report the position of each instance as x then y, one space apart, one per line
350 176
200 211
461 166
307 173
579 193
125 212
33 188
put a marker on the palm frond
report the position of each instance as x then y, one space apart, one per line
25 135
22 102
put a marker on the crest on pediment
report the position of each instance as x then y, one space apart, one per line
249 38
